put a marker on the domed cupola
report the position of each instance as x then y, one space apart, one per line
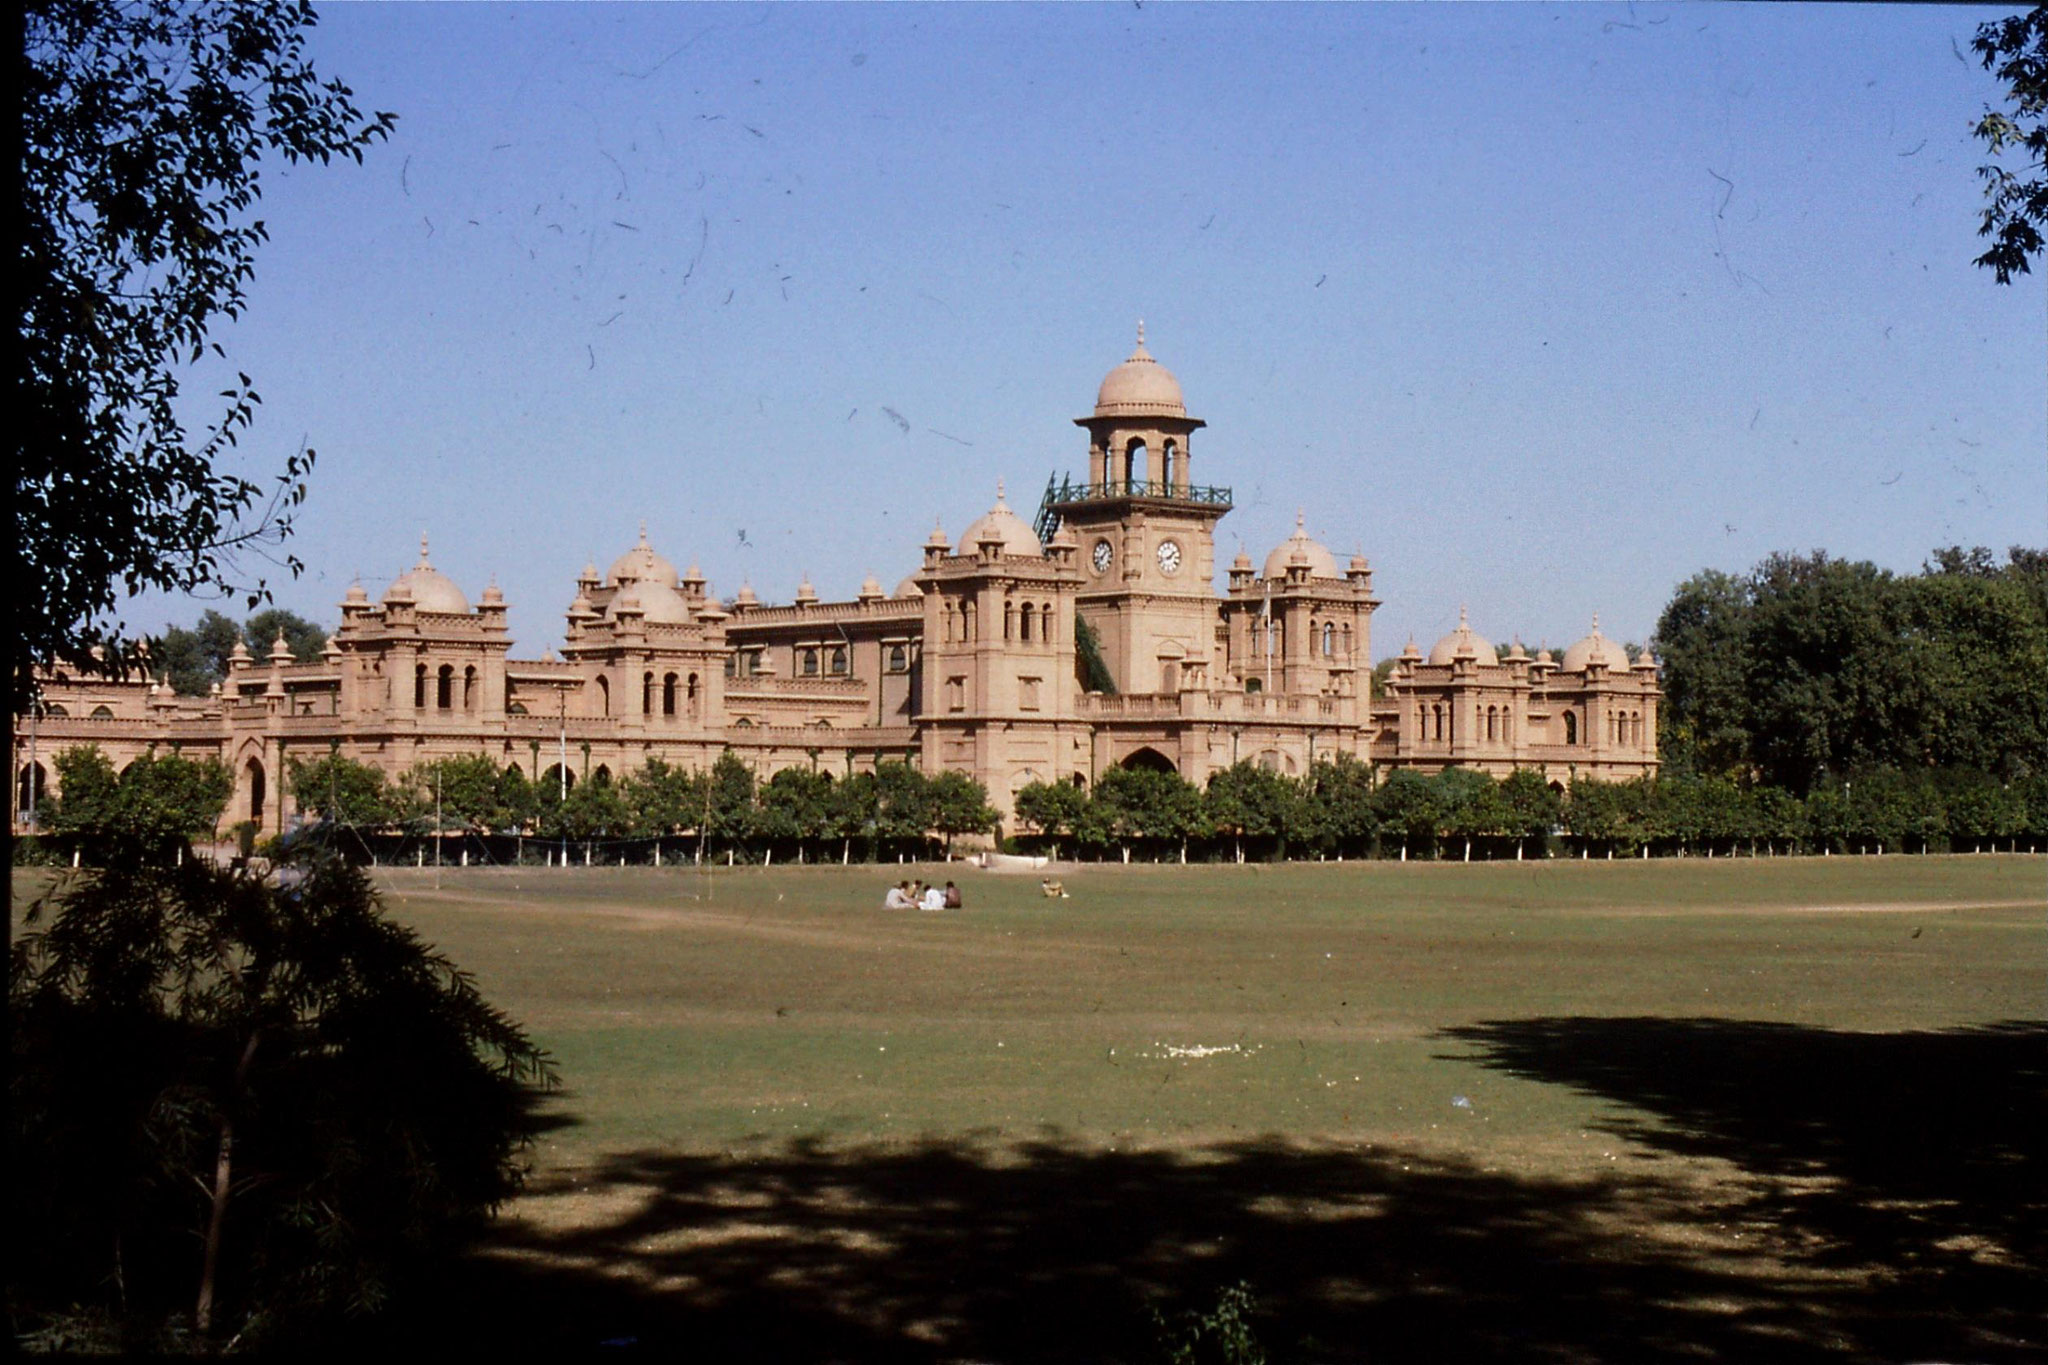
1596 649
428 589
1299 548
1463 643
1002 525
641 565
1140 387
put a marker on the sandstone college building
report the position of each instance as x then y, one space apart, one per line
971 663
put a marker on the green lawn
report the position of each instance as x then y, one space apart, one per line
1778 1109
1785 1109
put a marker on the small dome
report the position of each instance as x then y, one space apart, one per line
1544 656
1242 564
870 588
1463 643
1321 563
641 565
908 588
355 594
1140 387
428 588
655 602
745 597
1596 648
805 593
494 596
1001 524
582 606
1409 651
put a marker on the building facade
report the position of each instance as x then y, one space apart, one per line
975 662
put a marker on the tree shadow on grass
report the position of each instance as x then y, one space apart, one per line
1053 1250
1917 1160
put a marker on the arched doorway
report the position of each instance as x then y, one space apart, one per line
1149 760
30 794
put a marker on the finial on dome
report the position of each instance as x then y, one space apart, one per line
1300 519
1141 331
999 488
643 530
423 549
1596 623
1463 624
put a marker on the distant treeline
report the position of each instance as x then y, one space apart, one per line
467 809
1810 669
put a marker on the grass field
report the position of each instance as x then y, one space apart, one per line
1787 1109
1781 1109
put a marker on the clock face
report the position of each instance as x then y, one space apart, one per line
1169 556
1102 556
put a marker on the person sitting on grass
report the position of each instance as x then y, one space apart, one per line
899 898
953 901
1052 890
933 899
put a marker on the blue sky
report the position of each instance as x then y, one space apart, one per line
1542 307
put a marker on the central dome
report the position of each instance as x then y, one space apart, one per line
642 565
429 588
1321 563
1140 387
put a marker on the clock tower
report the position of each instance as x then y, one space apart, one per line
1146 531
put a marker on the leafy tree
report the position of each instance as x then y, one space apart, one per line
1529 808
1246 801
148 813
192 661
2015 50
303 638
1407 805
338 788
903 805
1703 721
143 129
1130 805
959 805
665 799
1338 796
1054 809
467 789
1469 807
729 807
345 1105
794 806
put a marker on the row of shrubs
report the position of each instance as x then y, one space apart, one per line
465 810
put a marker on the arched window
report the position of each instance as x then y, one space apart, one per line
419 687
743 723
1045 631
1437 714
809 659
1571 728
55 709
28 788
1252 687
444 687
690 689
899 659
1169 676
1347 641
603 776
604 695
256 792
1329 640
1024 623
646 694
102 713
1134 466
967 621
668 694
515 708
469 688
838 661
1169 458
557 779
1009 619
1492 723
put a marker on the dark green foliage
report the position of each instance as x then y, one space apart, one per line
959 805
2015 49
1141 805
192 661
1337 805
1053 809
190 1041
143 129
1813 668
1092 673
1248 803
303 638
147 814
794 807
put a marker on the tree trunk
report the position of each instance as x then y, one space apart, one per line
223 1185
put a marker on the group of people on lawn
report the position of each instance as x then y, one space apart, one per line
919 896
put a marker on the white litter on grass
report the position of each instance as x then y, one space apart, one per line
1197 1050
